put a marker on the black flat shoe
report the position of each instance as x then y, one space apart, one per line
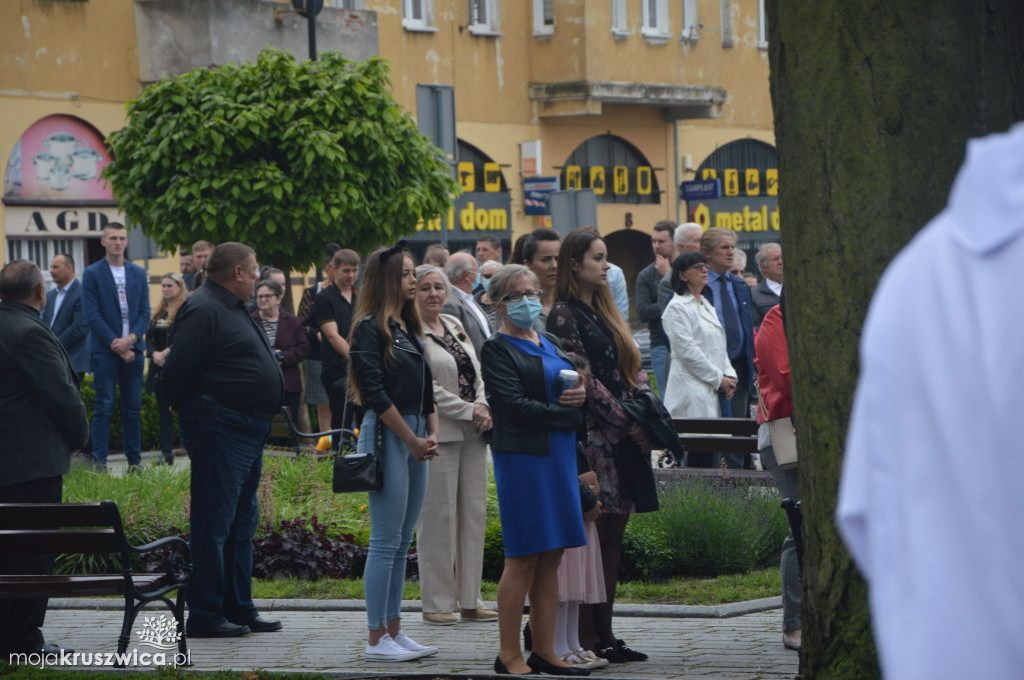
543 666
223 630
258 624
527 637
629 654
611 654
499 668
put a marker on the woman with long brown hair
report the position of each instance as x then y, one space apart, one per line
588 323
391 378
173 293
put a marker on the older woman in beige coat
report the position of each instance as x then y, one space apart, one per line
450 534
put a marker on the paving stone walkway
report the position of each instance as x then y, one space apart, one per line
745 647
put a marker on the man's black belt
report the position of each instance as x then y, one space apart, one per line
250 413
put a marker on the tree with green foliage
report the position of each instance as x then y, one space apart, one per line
281 155
874 101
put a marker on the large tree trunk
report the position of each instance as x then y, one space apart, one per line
874 101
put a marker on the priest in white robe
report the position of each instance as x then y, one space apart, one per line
931 503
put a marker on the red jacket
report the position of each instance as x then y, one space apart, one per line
771 352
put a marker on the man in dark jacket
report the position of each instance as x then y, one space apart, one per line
64 314
766 294
42 420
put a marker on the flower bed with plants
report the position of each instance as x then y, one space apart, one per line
308 532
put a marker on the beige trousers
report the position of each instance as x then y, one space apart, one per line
450 533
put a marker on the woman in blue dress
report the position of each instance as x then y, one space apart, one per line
534 451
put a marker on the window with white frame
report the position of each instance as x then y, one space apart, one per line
484 17
762 26
691 26
620 19
418 15
347 4
543 17
655 20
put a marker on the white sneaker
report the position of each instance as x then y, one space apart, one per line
387 649
408 643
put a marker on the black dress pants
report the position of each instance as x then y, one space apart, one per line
21 621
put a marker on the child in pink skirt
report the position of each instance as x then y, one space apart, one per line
580 578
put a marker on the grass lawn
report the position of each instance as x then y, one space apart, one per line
704 591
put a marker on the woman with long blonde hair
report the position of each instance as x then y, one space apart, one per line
588 323
173 293
391 378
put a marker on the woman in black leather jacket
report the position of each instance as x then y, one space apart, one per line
390 377
534 453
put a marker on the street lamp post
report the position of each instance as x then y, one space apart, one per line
309 9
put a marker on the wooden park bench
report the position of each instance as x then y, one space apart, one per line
706 436
92 528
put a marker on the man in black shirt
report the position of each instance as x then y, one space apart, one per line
332 311
223 379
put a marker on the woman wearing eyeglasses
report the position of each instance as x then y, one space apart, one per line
391 378
700 366
286 336
533 449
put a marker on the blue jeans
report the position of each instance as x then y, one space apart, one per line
659 364
226 449
394 511
109 371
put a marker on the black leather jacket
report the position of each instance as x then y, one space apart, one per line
402 380
516 392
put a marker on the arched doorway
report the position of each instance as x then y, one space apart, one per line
631 250
483 210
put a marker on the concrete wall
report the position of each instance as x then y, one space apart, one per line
180 35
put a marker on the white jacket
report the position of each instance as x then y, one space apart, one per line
699 357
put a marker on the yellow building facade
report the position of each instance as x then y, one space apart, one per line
627 98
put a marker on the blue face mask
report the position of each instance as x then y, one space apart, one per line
524 313
485 283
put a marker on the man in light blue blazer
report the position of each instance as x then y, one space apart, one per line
115 296
64 314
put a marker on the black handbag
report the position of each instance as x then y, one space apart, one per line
358 472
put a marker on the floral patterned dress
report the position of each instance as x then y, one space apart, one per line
583 332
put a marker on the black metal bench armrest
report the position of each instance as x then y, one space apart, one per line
312 435
176 541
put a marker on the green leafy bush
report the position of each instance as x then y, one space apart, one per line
494 551
701 530
705 531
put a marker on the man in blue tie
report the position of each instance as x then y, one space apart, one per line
115 296
731 297
64 315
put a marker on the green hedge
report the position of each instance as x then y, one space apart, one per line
701 530
705 530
